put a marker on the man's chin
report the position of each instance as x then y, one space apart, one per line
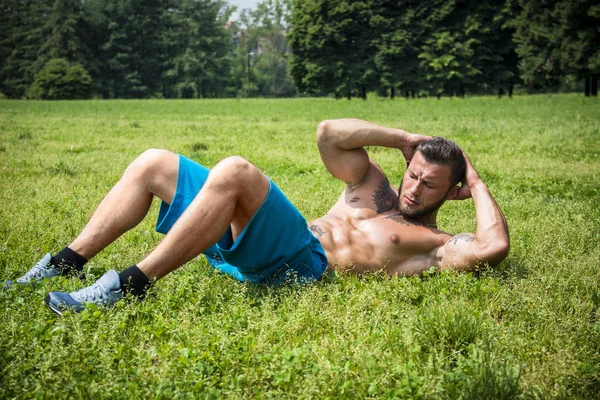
411 213
420 212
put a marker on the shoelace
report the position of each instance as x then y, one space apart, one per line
92 293
37 271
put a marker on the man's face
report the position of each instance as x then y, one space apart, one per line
424 188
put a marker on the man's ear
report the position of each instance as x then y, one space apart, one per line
452 193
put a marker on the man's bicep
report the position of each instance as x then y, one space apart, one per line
349 166
459 253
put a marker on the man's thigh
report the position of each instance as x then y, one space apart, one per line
247 185
274 242
191 177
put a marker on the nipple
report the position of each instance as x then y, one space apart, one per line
395 239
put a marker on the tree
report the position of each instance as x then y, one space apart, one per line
21 40
456 49
62 30
401 29
556 38
132 53
202 66
497 52
262 65
61 80
332 50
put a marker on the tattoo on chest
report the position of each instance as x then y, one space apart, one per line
384 197
401 219
465 237
317 230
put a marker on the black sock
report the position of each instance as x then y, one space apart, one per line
134 281
68 261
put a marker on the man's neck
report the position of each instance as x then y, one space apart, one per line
429 220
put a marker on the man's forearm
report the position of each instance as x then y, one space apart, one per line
492 229
350 133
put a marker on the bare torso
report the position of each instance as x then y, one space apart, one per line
364 232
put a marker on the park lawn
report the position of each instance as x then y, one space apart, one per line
529 327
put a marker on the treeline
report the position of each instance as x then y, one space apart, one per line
55 49
443 47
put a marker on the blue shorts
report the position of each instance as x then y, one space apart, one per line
276 246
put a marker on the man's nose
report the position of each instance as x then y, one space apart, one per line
415 190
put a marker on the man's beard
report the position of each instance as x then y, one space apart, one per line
407 212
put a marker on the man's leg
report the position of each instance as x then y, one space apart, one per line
231 195
154 172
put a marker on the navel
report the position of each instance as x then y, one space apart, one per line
395 238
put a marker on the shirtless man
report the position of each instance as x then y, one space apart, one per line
245 227
374 227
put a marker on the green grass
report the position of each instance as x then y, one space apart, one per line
529 328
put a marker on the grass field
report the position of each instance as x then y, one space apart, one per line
529 328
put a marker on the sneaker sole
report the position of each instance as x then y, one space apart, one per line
52 307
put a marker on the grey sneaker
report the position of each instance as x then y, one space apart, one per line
42 270
105 291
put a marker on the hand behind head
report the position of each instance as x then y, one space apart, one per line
470 179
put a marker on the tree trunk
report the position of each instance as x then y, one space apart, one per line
392 93
510 91
500 92
439 96
412 94
364 93
407 94
595 85
349 95
587 86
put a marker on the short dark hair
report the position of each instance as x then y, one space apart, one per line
441 151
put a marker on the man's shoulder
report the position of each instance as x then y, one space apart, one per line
374 191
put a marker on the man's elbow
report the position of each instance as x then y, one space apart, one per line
325 131
497 252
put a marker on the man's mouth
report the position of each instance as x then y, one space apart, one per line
411 201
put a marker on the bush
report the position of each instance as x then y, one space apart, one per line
61 80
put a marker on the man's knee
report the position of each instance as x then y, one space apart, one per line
153 157
234 166
235 171
151 160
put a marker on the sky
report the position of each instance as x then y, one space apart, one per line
240 5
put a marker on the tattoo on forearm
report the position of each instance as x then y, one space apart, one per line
384 197
317 230
466 237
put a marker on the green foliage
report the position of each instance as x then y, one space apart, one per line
345 48
59 80
22 36
557 38
331 43
202 61
528 328
61 32
262 52
426 47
